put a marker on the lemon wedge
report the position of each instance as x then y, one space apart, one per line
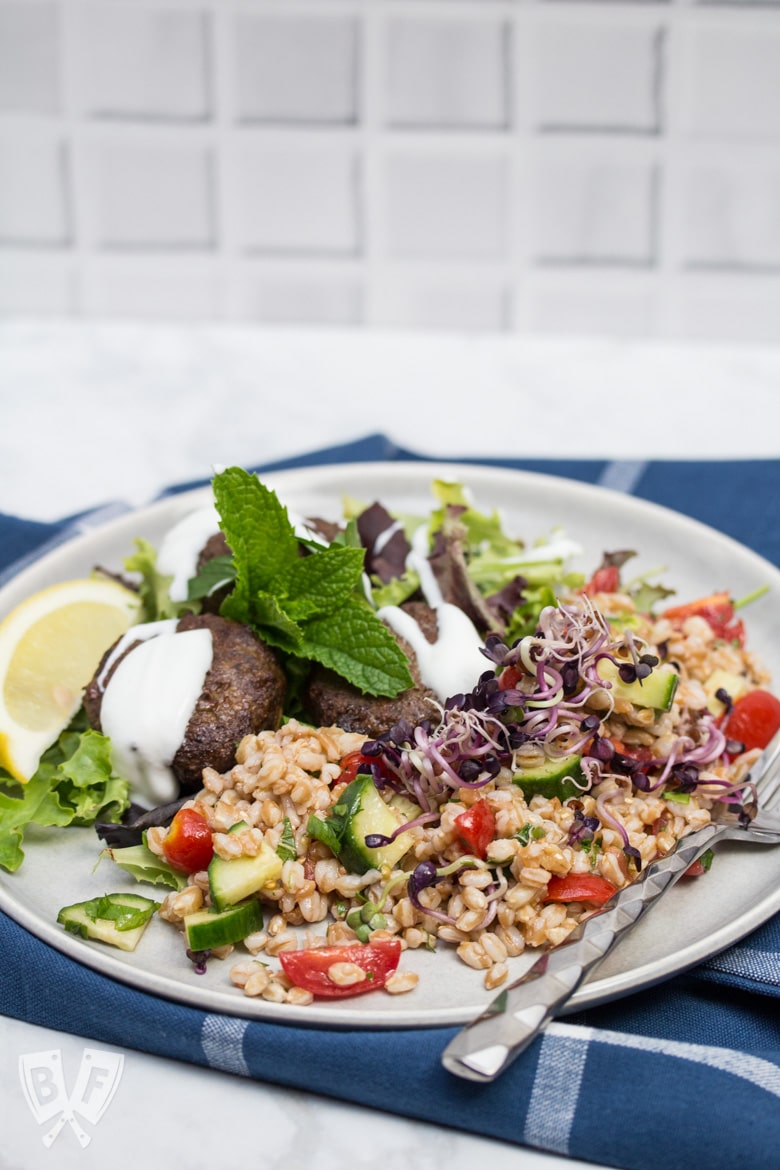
50 646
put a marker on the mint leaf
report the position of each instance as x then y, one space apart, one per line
320 583
272 623
354 643
259 533
310 607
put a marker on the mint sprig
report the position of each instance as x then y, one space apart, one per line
309 607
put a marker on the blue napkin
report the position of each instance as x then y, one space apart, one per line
685 1074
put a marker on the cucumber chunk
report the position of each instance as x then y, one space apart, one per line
562 777
117 919
232 880
657 690
366 814
735 686
206 929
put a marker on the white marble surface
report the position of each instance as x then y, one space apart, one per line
97 412
93 413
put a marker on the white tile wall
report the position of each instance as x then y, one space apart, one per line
299 69
440 205
555 166
446 73
29 57
33 189
294 197
594 207
139 63
148 193
596 75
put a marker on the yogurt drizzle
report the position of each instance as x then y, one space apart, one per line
453 663
149 701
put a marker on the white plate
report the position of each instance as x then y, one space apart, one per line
697 919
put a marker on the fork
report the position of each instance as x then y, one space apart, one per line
484 1048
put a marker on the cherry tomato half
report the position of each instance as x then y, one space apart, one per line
754 719
309 968
604 580
509 678
476 827
717 610
580 887
353 763
187 845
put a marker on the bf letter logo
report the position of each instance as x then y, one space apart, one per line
43 1082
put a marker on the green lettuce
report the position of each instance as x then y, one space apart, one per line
74 785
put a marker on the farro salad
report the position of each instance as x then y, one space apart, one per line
478 785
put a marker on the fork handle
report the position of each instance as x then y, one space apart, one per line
488 1045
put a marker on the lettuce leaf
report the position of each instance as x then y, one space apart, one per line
74 785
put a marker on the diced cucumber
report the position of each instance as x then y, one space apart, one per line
657 690
117 919
403 805
234 879
735 686
206 929
562 777
366 813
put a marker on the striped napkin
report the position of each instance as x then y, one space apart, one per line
685 1074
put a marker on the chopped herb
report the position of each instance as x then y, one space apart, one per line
124 917
677 797
287 849
529 833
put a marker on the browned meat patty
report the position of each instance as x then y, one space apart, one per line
243 693
330 700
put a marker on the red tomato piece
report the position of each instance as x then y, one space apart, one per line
509 678
310 968
604 580
477 827
717 610
754 719
351 765
187 845
580 887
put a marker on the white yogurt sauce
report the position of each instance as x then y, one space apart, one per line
453 663
148 702
177 555
179 549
